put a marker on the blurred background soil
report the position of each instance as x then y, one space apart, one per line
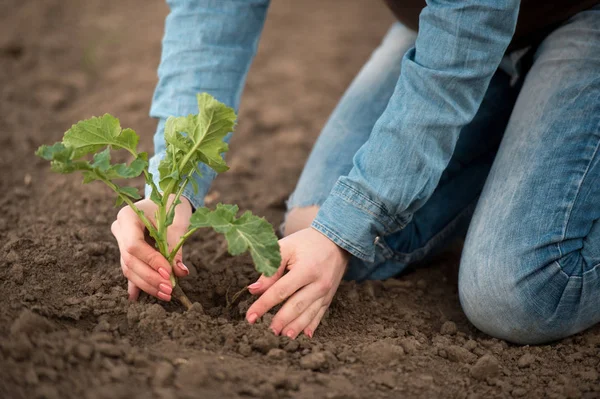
67 329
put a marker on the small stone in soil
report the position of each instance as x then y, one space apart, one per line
410 345
448 328
265 343
196 308
526 360
387 379
84 351
486 367
519 392
244 349
460 355
314 361
381 353
470 345
292 346
276 354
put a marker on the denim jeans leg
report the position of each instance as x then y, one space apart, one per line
530 271
447 213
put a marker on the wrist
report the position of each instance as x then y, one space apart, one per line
344 255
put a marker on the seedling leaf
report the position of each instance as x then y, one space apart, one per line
90 135
191 141
247 233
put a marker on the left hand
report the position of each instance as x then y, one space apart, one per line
315 268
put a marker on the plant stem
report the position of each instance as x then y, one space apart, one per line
181 297
138 212
183 238
150 181
160 233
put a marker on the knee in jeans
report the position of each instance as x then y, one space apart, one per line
299 218
499 303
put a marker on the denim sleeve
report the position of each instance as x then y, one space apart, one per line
208 46
459 46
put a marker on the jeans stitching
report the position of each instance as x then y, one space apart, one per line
384 214
331 235
577 193
445 232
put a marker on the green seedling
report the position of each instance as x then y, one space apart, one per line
190 141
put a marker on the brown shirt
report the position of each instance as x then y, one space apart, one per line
536 17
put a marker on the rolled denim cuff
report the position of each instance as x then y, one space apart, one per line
354 222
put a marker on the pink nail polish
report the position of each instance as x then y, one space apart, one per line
165 288
163 296
290 334
309 333
163 273
255 286
183 267
252 318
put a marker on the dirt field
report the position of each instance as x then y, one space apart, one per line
67 328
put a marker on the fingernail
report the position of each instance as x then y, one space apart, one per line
165 288
255 286
290 334
309 333
252 318
274 331
163 296
163 273
183 267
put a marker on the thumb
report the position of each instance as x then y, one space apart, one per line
264 282
174 233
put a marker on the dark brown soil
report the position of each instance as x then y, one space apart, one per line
67 329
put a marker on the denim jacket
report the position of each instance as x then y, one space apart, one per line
209 45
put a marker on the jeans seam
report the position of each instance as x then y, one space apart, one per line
578 192
331 235
444 232
380 218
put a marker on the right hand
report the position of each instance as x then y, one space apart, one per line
143 266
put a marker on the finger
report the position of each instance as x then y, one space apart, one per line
150 276
130 237
147 288
277 293
312 326
174 233
298 304
264 282
294 328
133 291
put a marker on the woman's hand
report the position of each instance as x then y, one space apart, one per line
315 268
143 266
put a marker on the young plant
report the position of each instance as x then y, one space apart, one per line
190 141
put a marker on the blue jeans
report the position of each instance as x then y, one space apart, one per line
524 180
